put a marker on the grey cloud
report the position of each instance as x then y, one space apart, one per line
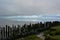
29 7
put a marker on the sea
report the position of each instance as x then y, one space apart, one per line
27 19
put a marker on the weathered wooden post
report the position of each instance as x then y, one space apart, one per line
1 34
6 31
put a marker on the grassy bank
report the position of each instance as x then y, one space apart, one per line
31 37
53 33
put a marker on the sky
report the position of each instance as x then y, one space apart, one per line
29 7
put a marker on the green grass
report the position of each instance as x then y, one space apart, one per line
57 28
54 36
57 37
31 37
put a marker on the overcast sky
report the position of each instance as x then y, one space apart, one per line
29 7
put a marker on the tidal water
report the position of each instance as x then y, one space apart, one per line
26 19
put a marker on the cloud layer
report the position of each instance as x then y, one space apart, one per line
29 7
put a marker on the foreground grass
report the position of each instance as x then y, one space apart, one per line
57 36
57 28
54 33
31 37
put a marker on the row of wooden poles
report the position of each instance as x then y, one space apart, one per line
7 32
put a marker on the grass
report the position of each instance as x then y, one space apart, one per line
53 33
31 37
57 28
57 37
